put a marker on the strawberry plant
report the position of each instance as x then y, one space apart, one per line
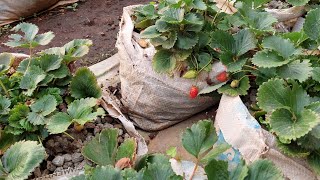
20 160
32 91
120 162
282 66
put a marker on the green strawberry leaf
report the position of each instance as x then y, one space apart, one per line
210 89
6 60
162 26
159 170
193 22
173 15
199 4
312 24
82 110
298 2
244 41
215 152
30 30
274 95
4 105
59 123
284 47
75 49
56 92
293 150
205 60
268 59
170 41
316 74
17 114
232 64
22 158
41 108
296 37
102 148
129 174
240 172
49 62
199 138
300 71
291 127
240 90
314 162
309 142
263 169
222 40
44 39
84 84
62 72
31 79
127 149
217 169
101 172
187 40
163 61
150 32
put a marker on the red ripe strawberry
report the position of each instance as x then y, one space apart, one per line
222 77
193 92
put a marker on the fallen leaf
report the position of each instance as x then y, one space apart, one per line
123 163
226 6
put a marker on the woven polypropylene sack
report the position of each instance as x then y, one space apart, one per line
14 10
155 101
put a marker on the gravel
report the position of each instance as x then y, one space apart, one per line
58 161
77 157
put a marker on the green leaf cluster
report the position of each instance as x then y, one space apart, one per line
31 89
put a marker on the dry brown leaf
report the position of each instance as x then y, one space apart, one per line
123 163
226 6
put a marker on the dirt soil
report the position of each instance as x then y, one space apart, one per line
97 20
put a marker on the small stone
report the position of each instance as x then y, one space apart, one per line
89 137
81 165
126 136
77 157
59 169
50 166
120 132
102 34
45 172
96 130
119 126
58 161
98 120
67 165
120 139
67 157
37 172
90 125
108 119
107 126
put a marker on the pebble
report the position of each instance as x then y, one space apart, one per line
67 157
120 132
50 166
98 120
126 136
120 139
37 172
96 130
77 157
119 126
108 119
67 165
59 169
107 126
58 161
